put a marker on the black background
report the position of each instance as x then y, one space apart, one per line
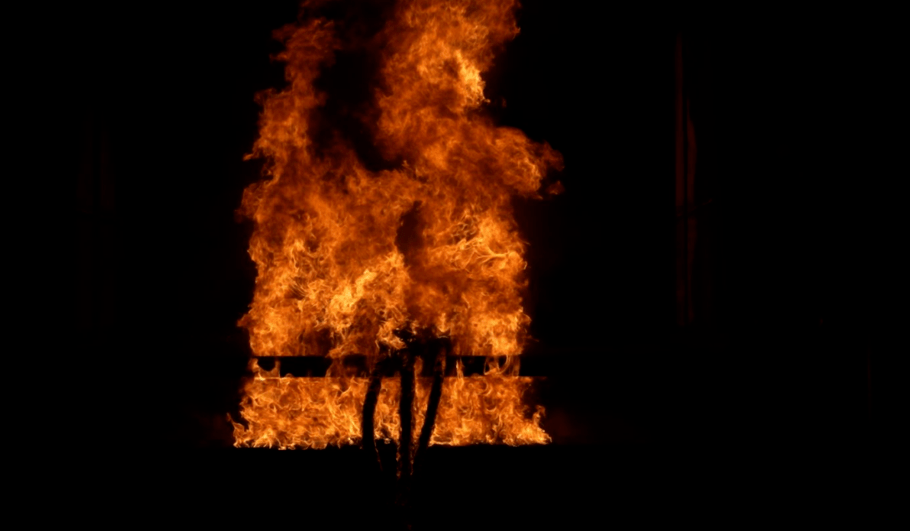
788 111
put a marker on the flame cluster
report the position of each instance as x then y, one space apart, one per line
287 412
349 255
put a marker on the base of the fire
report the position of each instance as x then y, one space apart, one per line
289 412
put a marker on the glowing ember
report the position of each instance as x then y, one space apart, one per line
352 259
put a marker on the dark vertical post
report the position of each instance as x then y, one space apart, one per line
439 370
406 407
685 188
367 423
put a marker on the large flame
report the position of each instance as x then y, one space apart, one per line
350 257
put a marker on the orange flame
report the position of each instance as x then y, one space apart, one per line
349 256
288 412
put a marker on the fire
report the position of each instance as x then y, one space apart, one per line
288 412
352 258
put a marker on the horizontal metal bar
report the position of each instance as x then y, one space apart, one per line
357 365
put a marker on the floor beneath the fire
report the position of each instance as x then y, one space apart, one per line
780 347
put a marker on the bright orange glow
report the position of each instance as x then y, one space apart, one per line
288 412
341 272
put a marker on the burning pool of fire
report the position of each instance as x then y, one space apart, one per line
302 412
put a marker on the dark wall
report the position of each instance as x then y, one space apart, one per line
784 268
